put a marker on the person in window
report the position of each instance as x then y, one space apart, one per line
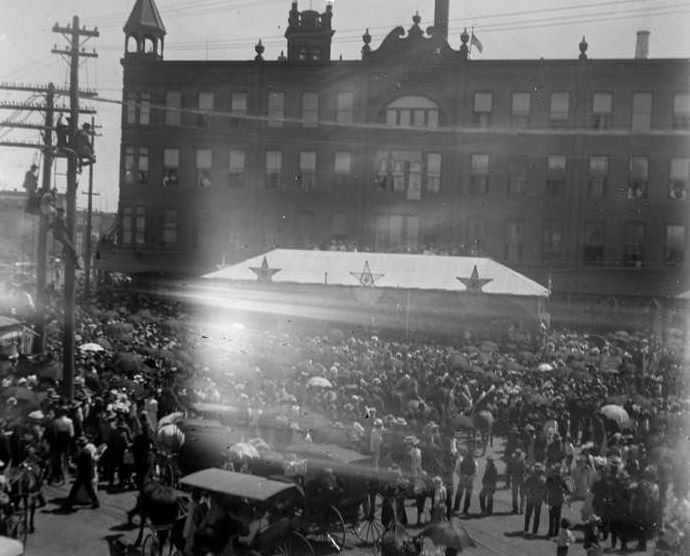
677 190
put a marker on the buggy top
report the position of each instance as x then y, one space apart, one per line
240 485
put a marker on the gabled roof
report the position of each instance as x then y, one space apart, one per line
144 17
382 270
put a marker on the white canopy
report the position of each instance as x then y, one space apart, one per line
382 270
684 295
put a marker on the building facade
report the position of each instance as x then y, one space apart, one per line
575 169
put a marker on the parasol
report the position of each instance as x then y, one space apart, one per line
450 535
319 382
52 371
616 414
545 367
20 394
244 450
127 362
91 347
488 347
10 547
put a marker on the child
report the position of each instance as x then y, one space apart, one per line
565 538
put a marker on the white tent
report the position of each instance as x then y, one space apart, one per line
382 270
684 295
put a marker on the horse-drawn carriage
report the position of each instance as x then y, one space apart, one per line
254 515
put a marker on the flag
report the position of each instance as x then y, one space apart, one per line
474 41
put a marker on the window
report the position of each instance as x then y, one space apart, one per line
598 176
514 240
206 106
633 254
482 109
127 227
339 225
302 53
342 163
169 228
204 163
642 112
236 161
552 239
520 109
131 108
517 181
345 107
675 244
679 175
130 171
307 170
593 252
310 109
276 108
140 226
143 165
412 111
479 181
433 172
236 168
400 171
602 105
476 236
560 106
173 102
171 163
238 104
274 168
637 184
555 176
145 109
681 111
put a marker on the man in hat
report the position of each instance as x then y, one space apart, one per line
489 480
535 490
465 472
84 477
376 442
30 185
556 491
516 469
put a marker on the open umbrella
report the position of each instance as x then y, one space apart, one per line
616 414
319 382
488 347
20 394
91 346
127 362
545 367
52 371
244 450
450 535
10 547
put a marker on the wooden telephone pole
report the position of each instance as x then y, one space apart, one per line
73 34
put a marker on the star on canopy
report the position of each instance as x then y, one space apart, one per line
263 272
366 278
474 283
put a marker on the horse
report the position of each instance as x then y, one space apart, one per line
161 505
477 421
25 483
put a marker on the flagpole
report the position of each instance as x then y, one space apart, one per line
471 35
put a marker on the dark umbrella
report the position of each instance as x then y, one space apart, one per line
450 535
127 362
52 371
596 340
21 394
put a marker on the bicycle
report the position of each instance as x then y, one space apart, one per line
153 546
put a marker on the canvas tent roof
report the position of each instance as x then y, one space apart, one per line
684 295
382 270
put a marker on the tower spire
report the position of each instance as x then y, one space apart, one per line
145 28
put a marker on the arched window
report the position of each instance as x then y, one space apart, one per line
303 53
132 44
412 111
149 45
316 54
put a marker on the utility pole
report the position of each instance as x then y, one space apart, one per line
89 209
68 332
42 254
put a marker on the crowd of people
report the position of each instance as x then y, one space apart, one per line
402 402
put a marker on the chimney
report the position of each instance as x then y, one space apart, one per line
441 18
642 45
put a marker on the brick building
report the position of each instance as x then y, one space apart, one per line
575 168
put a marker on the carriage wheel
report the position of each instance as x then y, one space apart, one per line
295 545
369 530
331 529
151 546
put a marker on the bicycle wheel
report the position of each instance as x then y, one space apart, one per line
295 544
151 547
369 530
331 529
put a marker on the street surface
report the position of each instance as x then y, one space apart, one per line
88 532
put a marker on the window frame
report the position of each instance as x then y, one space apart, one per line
557 116
275 114
520 118
343 114
313 119
173 112
635 113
